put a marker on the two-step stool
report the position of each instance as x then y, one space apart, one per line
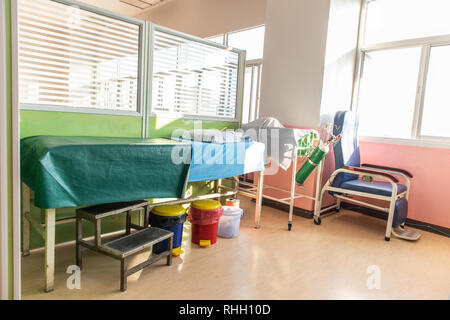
126 246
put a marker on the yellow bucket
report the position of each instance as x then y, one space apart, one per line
169 210
207 204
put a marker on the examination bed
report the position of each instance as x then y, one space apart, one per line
81 171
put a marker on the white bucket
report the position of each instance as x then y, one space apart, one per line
230 222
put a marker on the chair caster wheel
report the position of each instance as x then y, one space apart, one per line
337 210
290 226
387 239
317 221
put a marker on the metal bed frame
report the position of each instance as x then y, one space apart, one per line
252 190
47 230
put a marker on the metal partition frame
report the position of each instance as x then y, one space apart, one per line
253 190
240 80
141 65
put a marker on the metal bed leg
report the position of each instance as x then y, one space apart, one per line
170 248
217 188
318 208
26 209
318 196
49 249
236 185
291 204
141 217
146 216
259 196
128 223
98 232
79 233
123 275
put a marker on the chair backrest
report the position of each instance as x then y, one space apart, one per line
346 150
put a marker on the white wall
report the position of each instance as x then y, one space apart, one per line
206 18
294 59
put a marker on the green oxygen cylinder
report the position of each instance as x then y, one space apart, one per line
311 163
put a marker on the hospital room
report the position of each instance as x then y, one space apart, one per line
234 157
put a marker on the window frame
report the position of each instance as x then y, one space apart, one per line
255 63
225 41
255 90
141 68
240 80
425 43
226 36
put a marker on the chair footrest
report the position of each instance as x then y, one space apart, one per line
133 243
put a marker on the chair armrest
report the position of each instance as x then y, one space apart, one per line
405 172
368 171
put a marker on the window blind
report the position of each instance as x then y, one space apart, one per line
70 57
193 78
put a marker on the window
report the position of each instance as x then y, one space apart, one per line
404 69
250 40
252 89
75 58
193 78
391 20
436 108
388 91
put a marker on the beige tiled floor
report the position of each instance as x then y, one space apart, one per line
310 262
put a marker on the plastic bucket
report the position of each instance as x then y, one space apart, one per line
170 218
233 203
177 239
230 222
204 216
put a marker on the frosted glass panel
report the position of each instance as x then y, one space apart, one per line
193 78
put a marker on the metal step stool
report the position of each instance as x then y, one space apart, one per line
137 242
125 246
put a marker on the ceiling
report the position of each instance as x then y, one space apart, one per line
130 8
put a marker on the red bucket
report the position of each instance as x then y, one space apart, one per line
205 221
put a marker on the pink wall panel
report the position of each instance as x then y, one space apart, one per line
430 187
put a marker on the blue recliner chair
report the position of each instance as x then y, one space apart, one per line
378 182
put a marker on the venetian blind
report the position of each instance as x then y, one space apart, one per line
193 78
70 57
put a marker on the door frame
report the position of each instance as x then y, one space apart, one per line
4 196
9 159
15 145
